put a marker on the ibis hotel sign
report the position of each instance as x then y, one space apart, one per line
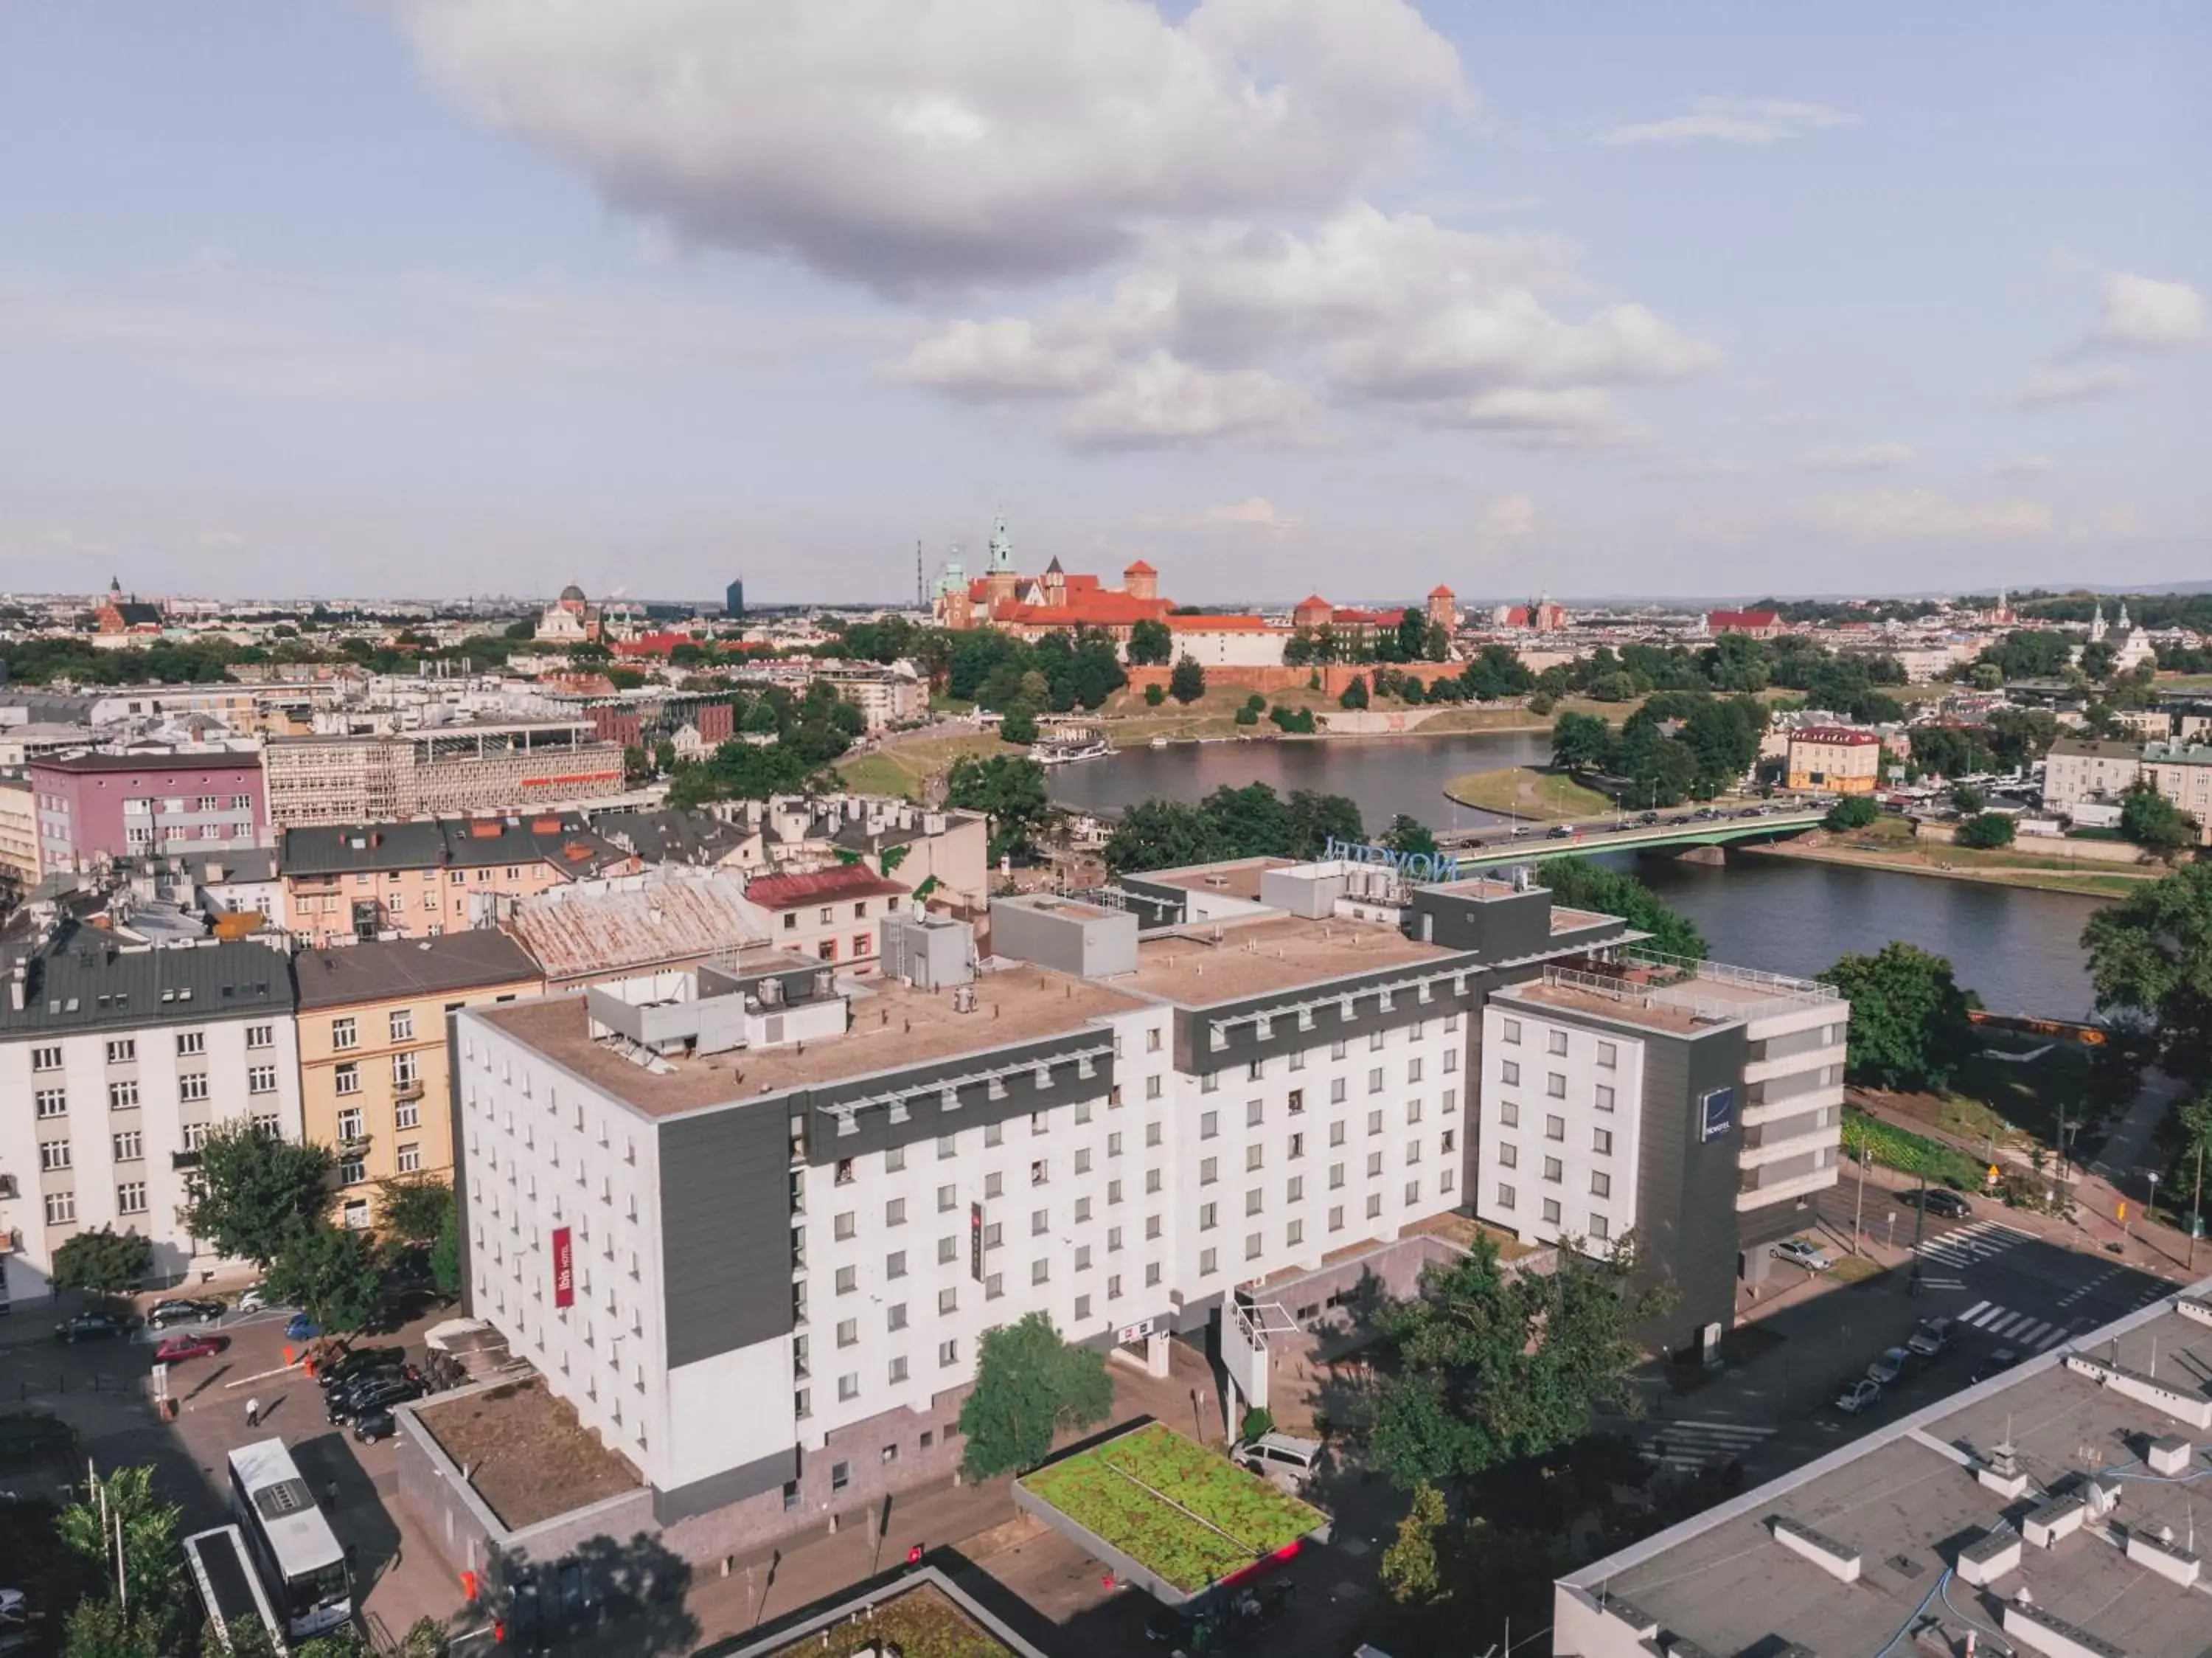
1413 866
564 1267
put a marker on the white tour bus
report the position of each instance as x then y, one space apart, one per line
229 1587
299 1559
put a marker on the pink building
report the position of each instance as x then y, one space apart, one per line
94 806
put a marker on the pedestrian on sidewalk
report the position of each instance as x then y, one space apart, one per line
253 1413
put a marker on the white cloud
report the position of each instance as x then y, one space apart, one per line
1431 325
1509 518
1733 121
2140 311
2053 385
1923 515
1858 457
2022 466
1257 512
907 145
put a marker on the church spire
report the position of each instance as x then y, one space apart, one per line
1002 548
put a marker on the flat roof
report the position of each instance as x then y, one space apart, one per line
382 969
894 1026
1277 953
1905 1499
1629 1010
1231 877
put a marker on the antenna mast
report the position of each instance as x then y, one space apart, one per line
920 595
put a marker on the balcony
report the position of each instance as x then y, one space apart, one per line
8 1186
355 1145
10 1241
184 1158
403 1091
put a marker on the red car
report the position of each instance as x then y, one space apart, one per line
188 1347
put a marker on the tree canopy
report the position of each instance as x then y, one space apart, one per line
2155 823
1909 1027
1151 644
333 1272
1187 680
1852 812
1578 884
1253 821
1985 830
255 1191
1581 743
1010 788
2150 959
1030 1386
102 1262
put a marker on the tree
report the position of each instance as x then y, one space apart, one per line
1355 694
1985 831
2150 958
1492 1369
1018 723
1010 789
1581 743
1151 644
98 1628
255 1191
1968 801
330 1271
1409 835
153 1561
102 1263
1576 883
1852 812
1154 696
1187 680
2155 823
1030 1385
664 756
416 1209
1909 1027
1409 1564
1162 834
446 1254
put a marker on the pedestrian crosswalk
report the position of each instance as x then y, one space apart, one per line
1970 1245
1690 1444
2020 1328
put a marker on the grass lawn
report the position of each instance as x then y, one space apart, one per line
1529 792
1889 844
1909 1153
901 768
1174 1506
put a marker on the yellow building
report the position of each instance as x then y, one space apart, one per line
373 1066
1834 758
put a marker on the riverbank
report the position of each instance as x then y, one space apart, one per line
1526 791
1883 848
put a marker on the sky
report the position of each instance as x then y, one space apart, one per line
427 298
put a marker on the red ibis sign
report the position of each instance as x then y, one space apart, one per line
564 1268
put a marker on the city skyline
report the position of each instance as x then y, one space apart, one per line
412 300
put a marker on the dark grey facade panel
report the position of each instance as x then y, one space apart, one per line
1194 1054
725 1231
1686 1183
926 1118
1500 929
768 1473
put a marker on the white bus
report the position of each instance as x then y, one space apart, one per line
229 1588
299 1559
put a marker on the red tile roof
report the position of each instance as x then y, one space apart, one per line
847 881
1101 608
1742 618
1141 568
1440 591
1834 736
1218 624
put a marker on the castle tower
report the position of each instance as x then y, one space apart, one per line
1442 608
1141 581
1056 585
999 581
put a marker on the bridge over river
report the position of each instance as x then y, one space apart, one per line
1494 844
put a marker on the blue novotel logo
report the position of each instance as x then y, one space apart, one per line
1415 866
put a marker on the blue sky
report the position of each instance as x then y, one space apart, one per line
435 296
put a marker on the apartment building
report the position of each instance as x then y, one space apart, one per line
887 694
19 867
829 915
2080 769
2183 773
770 1179
92 807
1696 1105
117 1056
1834 758
375 1081
662 919
432 876
481 766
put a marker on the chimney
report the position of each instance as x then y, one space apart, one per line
15 985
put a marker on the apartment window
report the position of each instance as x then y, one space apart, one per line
1375 1042
1252 1201
1555 1085
895 1160
411 1158
189 1043
994 1183
947 1198
1604 1097
848 1389
1336 1134
1082 1210
1374 1122
1152 1227
1257 1069
53 1153
1210 1083
260 1036
1600 1228
1209 1124
1336 1048
1151 1275
1601 1141
1414 1070
1152 1086
1297 1146
1505 1195
352 1171
404 1071
994 1134
121 1096
54 1102
1113 1145
1083 1162
994 1235
1451 1060
130 1197
1039 1173
1251 1246
346 1078
1412 1151
946 1145
131 1146
1449 1139
1551 1211
122 1050
1112 1191
1509 1031
948 1353
344 1033
1555 1042
849 1280
261 1079
894 1212
1374 1206
1601 1185
1209 1262
1552 1170
1296 1190
1335 1176
407 1113
1412 1111
1152 1133
1151 1181
61 1208
196 1135
1509 1155
848 1332
1253 1114
841 1474
1151 1038
45 1058
402 1025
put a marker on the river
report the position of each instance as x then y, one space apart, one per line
2019 950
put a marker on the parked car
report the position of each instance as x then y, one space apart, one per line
302 1328
1799 1252
351 1394
254 1300
1938 1200
165 1313
355 1360
373 1425
91 1326
179 1348
1860 1395
1997 1364
1930 1338
1889 1369
1282 1457
356 1403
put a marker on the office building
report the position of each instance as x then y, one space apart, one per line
117 1056
2049 1510
94 808
375 1081
733 598
485 766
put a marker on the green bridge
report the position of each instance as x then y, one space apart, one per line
1478 848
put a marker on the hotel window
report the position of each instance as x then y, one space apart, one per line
1152 1088
1555 1085
994 1183
54 1102
410 1159
1451 1060
1151 1275
948 1301
1556 1042
895 1264
346 1078
1335 1176
1601 1185
844 1226
848 1389
1336 1091
1209 1124
994 1134
849 1280
1414 1070
994 1286
1152 1039
896 1318
1509 1155
1609 1056
894 1212
121 1096
848 1332
1509 1031
130 1197
61 1208
189 1043
1209 1216
1336 1134
1297 1146
1504 1196
1251 1246
1295 1192
1254 1157
1552 1170
1375 1206
1374 1164
1375 1041
402 1025
948 1249
1555 1128
1209 1262
1152 1133
948 1353
1040 1272
946 1146
948 1198
1253 1202
1412 1151
1253 1114
1604 1097
1412 1111
1551 1212
1374 1122
1210 1082
1601 1141
344 1033
1600 1228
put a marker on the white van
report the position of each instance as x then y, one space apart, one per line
1283 1456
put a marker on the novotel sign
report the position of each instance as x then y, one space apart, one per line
1415 866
